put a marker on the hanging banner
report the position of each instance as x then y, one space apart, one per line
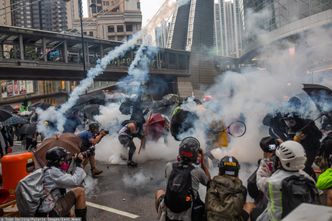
29 87
22 87
9 88
16 90
3 89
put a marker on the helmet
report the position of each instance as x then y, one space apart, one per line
55 155
93 126
291 155
229 165
268 144
189 148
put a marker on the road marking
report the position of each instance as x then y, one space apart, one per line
111 210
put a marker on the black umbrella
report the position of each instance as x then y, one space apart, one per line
93 98
14 120
28 129
320 95
91 110
40 105
7 107
4 115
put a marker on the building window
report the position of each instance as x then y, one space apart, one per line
99 1
110 28
129 27
138 5
106 3
119 28
91 33
94 9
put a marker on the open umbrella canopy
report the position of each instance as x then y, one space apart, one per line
7 107
68 141
40 105
91 110
14 120
93 98
320 95
28 129
4 115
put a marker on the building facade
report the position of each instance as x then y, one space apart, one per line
114 20
48 15
228 30
6 15
161 34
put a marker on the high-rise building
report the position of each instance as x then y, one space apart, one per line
5 12
161 33
229 24
111 19
281 13
191 25
45 15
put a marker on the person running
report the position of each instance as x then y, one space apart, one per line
126 135
57 181
226 195
90 138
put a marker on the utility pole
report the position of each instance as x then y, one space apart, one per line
82 36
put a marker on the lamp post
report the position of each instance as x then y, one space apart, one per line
80 5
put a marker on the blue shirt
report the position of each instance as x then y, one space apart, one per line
86 136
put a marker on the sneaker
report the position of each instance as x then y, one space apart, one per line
131 164
95 172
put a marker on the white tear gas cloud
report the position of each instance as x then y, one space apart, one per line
110 150
255 93
137 180
83 86
138 70
90 185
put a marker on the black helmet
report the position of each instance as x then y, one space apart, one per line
268 144
229 166
94 126
55 155
188 150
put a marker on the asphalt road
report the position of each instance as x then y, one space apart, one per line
126 189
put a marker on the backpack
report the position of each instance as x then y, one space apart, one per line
30 193
224 203
179 192
296 190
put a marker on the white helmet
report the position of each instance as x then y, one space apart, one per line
291 155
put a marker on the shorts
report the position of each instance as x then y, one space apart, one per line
64 204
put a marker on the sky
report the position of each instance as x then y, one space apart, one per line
148 7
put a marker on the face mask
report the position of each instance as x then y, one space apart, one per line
64 166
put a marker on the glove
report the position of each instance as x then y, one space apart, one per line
78 161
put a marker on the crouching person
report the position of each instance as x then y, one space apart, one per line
63 190
226 196
181 201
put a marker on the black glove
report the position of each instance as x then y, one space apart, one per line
78 162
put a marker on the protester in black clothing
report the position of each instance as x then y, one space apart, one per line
305 132
268 146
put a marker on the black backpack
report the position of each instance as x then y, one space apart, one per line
296 190
179 192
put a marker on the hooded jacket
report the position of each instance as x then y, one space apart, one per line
56 180
225 199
